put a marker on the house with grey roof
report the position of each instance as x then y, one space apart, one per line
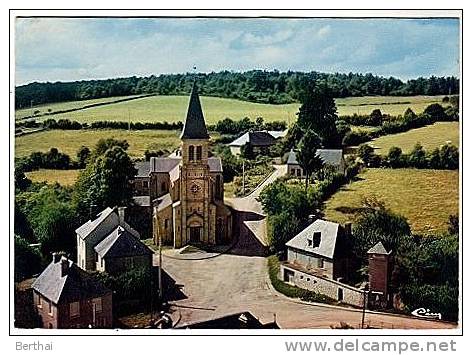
318 259
65 296
94 231
260 141
331 157
121 251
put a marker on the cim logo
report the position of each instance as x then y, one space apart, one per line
426 313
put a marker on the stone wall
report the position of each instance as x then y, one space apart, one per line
331 288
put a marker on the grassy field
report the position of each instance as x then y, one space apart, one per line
70 141
430 137
61 106
63 177
425 197
173 108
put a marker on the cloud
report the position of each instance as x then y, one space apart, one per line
51 49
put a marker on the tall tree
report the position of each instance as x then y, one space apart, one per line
105 181
306 154
318 113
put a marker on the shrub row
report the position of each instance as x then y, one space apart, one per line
50 160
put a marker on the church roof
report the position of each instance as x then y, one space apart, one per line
194 127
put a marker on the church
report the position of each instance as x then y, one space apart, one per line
186 189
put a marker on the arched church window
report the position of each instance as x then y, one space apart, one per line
199 152
218 186
191 152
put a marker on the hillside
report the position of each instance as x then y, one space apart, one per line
173 108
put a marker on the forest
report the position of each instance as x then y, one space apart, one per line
271 87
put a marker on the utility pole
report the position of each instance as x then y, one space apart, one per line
244 178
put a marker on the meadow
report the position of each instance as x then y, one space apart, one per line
70 141
425 197
62 106
63 177
430 137
173 108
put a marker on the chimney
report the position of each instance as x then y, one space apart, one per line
121 214
56 257
64 267
311 218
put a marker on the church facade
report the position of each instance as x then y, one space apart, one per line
186 189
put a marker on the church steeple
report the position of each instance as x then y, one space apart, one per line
194 126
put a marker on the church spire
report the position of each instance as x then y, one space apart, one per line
194 126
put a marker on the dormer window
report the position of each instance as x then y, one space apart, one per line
316 239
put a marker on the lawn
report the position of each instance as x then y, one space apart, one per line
430 137
173 108
63 177
70 141
425 197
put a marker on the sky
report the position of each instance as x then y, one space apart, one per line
67 49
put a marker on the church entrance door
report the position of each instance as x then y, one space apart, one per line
195 234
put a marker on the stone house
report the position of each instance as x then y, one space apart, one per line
260 141
121 251
92 232
332 157
65 296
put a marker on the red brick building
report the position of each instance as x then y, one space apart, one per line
66 296
379 275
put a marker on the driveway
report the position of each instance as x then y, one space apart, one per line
236 283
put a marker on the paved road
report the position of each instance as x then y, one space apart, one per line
249 203
235 283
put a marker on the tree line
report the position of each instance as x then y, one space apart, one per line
262 86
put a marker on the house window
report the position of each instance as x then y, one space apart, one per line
101 262
320 263
191 153
199 152
74 309
145 184
97 303
166 223
49 308
164 187
340 294
293 172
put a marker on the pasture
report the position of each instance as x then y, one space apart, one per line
63 177
425 197
430 137
173 108
70 141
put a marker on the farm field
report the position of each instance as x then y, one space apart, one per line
425 197
430 137
70 141
173 108
60 106
63 177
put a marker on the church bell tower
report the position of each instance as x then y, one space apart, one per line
195 175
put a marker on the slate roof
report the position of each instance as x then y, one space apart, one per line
121 243
88 227
75 285
329 156
163 202
144 201
292 158
329 235
163 165
256 138
166 165
194 126
378 249
143 168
